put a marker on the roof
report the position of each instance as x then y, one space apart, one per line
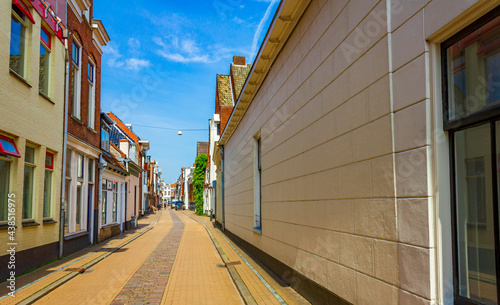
286 18
114 164
123 128
122 154
224 90
239 74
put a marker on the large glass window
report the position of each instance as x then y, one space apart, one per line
91 77
473 71
105 137
472 103
18 29
67 191
475 222
76 77
5 162
29 182
115 202
47 188
44 75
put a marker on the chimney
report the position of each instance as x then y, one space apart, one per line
239 60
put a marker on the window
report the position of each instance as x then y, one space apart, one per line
5 162
67 191
105 137
8 147
257 186
104 200
80 166
115 202
47 189
29 183
91 77
18 29
44 75
471 79
76 72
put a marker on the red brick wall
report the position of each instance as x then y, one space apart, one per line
225 114
79 129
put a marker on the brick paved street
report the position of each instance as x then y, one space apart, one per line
174 262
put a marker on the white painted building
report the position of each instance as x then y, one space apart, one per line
210 174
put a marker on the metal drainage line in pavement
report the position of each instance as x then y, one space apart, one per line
65 266
148 283
271 289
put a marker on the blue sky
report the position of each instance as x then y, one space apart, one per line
160 66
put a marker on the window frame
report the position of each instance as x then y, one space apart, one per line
48 168
91 101
488 115
33 182
47 45
25 26
77 78
9 153
9 160
257 224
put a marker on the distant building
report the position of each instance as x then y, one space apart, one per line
201 148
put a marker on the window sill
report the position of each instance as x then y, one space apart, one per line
45 97
91 129
109 225
13 73
257 230
49 221
76 119
30 224
5 226
75 235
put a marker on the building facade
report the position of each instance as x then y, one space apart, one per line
32 61
86 39
362 168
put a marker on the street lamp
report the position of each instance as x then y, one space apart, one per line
179 133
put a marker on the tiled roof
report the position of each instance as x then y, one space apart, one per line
123 128
224 90
240 74
114 163
118 150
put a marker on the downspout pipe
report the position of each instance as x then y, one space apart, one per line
65 151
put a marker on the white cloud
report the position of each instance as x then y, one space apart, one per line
134 43
115 59
181 50
136 64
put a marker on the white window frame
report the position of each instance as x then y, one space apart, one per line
91 113
10 160
77 80
48 50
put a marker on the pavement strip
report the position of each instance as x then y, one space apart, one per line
245 293
52 286
148 283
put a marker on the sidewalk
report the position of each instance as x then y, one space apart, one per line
278 293
40 279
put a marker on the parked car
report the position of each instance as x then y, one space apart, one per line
179 205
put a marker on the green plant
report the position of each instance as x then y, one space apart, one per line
198 182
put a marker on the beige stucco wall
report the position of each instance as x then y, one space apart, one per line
355 180
27 116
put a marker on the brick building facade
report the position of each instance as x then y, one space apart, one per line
87 37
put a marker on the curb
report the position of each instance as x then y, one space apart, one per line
51 287
238 282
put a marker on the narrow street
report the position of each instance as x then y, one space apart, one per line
162 265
